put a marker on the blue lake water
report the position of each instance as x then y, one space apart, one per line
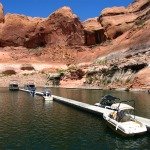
30 123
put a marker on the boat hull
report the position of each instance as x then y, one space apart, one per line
13 88
121 132
113 127
48 98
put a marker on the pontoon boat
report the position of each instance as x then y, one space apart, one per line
13 85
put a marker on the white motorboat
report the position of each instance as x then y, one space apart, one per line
123 121
47 96
107 101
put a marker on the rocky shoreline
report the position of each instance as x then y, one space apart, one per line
73 76
40 80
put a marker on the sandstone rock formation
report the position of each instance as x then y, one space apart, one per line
61 28
142 78
93 31
17 33
139 5
118 20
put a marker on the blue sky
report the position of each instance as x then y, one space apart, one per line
42 8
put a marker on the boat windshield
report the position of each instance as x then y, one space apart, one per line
15 85
47 94
32 85
125 115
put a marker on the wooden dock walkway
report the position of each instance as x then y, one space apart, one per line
88 108
83 106
36 93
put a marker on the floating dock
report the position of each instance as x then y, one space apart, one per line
83 106
29 91
94 109
88 108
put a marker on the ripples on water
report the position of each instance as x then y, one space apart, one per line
29 123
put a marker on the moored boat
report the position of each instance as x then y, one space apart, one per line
30 86
13 85
123 121
47 95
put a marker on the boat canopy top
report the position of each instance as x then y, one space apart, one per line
13 82
121 106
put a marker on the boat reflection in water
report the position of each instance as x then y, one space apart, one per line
47 104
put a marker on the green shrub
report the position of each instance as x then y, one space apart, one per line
140 22
27 68
72 68
9 72
89 80
127 80
61 72
102 62
25 74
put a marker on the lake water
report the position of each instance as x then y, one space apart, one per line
28 123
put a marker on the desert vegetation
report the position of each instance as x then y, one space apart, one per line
28 67
8 72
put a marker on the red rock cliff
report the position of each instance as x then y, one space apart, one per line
60 28
118 20
116 28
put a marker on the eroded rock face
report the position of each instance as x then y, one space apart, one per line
92 24
1 13
117 20
18 30
94 32
114 11
142 78
62 38
63 31
61 28
138 5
